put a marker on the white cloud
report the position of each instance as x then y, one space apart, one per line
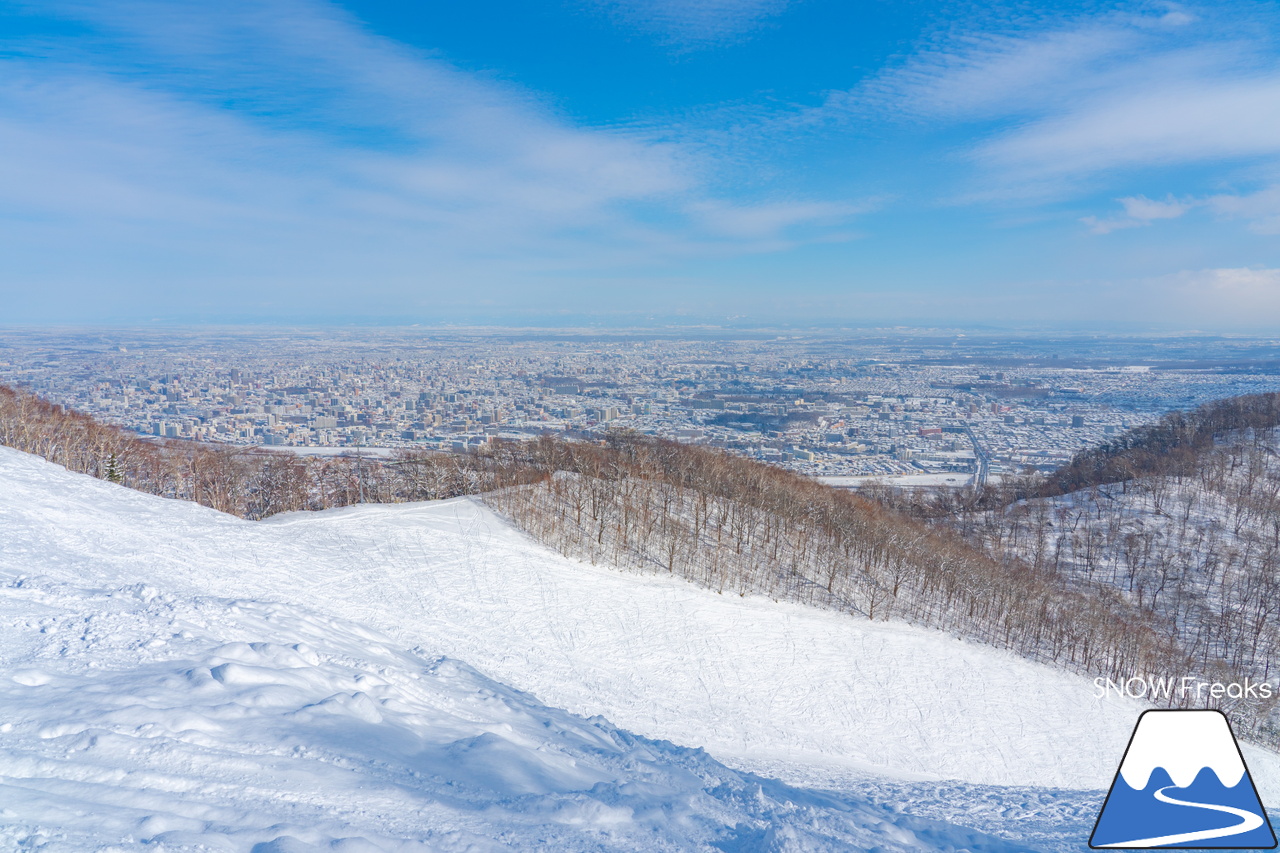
1176 122
1059 105
1261 208
1138 211
1145 210
1246 297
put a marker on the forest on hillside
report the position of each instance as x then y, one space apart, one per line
994 566
1180 517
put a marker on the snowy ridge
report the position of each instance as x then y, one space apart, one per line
1183 743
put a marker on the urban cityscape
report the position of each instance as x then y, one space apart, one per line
916 405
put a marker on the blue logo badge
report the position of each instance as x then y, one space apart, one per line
1183 783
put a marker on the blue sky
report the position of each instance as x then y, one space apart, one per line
621 161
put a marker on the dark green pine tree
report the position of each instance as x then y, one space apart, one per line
113 470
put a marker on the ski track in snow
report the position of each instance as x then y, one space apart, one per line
811 698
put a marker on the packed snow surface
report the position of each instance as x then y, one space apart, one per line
137 719
200 675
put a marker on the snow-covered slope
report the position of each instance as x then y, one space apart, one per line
753 681
136 719
158 657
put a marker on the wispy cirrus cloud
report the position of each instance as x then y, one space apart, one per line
1261 209
240 141
1053 107
1138 211
766 221
974 76
691 24
1174 122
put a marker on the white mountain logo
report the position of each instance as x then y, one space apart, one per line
1183 783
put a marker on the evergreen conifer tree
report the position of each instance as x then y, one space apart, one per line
113 470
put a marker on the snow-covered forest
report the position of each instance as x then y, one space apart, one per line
1180 518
